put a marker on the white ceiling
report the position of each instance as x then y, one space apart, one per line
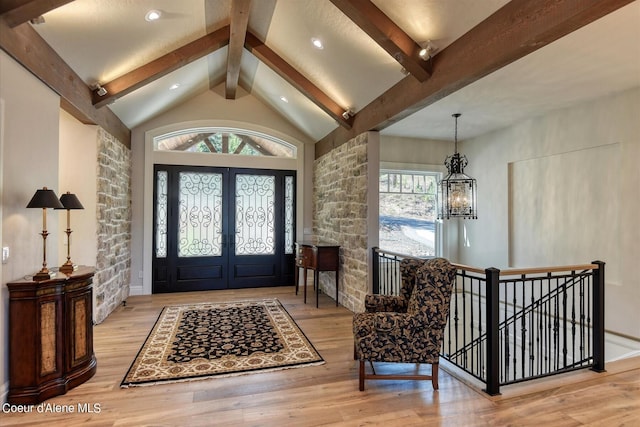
599 59
103 39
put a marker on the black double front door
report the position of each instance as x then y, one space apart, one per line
220 228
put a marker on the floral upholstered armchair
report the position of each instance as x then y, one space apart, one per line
413 336
408 275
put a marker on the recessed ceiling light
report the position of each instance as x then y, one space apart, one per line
153 15
174 86
284 99
317 43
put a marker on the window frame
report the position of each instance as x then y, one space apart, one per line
225 130
420 170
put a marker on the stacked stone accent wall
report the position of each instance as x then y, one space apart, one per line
340 217
113 266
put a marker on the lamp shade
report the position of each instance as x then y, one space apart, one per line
45 198
70 201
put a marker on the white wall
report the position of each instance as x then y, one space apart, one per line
580 166
29 161
78 165
394 149
3 290
208 109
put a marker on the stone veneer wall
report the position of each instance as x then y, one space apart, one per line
113 266
340 217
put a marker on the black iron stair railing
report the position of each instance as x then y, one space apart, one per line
516 325
533 306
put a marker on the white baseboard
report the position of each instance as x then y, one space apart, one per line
136 290
618 347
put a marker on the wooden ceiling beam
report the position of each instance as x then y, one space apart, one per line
296 79
517 29
162 66
16 12
387 34
239 21
26 46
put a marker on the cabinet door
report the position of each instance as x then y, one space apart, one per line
49 329
79 324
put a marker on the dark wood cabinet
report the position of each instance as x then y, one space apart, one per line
317 257
50 336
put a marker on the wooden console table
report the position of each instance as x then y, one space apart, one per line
317 257
50 336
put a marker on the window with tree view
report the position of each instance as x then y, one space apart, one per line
224 141
408 212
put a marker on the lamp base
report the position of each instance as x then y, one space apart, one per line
43 275
68 268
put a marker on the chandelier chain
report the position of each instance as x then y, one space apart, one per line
456 115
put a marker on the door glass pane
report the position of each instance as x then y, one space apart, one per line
161 214
255 199
200 221
288 214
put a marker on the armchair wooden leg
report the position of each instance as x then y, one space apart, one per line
362 375
434 375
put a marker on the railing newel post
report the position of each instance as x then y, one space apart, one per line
598 316
375 274
492 378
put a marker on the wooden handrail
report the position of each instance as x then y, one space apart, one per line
538 270
508 272
468 268
527 271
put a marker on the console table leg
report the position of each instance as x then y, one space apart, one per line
316 284
337 283
305 285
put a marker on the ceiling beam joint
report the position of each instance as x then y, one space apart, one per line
387 34
517 29
160 67
26 46
16 12
297 80
239 21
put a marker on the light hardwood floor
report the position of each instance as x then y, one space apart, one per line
326 394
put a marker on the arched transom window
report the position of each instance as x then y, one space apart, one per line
224 141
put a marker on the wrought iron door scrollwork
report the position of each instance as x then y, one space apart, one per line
255 222
200 219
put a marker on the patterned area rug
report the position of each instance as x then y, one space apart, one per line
208 340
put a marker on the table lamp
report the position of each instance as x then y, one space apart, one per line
69 201
44 199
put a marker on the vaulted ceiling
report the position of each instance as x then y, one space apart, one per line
495 61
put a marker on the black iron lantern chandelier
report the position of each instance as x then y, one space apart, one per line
457 192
